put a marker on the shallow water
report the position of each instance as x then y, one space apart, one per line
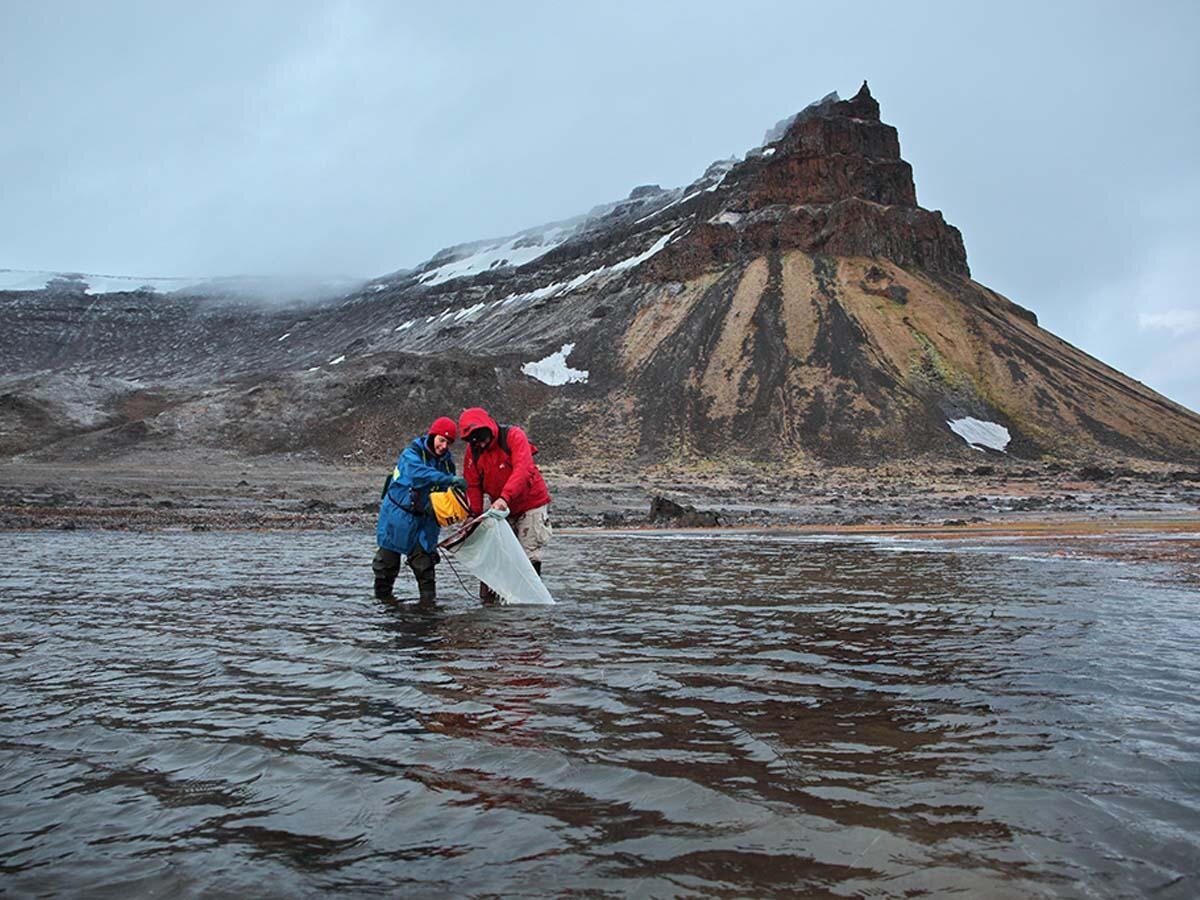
701 715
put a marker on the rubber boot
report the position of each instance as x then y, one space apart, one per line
422 566
427 586
537 566
386 566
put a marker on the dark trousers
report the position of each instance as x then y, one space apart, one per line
386 566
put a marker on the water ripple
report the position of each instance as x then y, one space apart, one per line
706 714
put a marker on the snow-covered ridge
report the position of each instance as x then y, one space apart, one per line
21 280
565 287
265 287
514 251
414 330
471 259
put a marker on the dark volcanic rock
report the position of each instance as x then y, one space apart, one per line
666 511
833 184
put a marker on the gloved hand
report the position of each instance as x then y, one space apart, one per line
459 482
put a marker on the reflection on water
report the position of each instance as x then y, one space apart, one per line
718 714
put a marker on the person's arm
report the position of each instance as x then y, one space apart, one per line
474 483
416 473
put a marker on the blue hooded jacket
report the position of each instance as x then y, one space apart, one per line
405 516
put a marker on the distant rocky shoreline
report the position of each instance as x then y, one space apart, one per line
279 494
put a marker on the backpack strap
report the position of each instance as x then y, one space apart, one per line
503 441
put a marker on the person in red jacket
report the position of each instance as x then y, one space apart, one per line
499 463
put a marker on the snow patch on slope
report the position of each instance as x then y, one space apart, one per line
725 218
980 434
645 255
554 369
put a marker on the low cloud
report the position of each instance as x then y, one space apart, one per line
1179 322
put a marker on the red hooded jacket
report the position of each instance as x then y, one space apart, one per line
513 476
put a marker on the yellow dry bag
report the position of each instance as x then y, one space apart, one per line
449 506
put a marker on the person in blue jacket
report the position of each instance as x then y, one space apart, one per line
407 526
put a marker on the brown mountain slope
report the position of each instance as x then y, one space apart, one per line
852 358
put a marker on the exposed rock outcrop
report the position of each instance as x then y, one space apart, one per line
664 511
834 183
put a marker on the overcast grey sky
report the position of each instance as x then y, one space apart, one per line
171 138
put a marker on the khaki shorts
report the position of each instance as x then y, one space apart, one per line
533 531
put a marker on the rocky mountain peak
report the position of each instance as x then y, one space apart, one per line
840 149
862 105
831 181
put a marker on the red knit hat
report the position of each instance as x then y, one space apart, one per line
444 426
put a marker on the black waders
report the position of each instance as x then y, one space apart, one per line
422 565
386 566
